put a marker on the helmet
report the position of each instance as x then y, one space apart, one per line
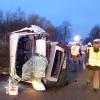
96 41
89 44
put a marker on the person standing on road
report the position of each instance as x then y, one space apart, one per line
93 64
75 53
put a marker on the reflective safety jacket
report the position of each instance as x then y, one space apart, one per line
75 50
94 57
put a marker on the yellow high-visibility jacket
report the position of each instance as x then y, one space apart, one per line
75 50
94 57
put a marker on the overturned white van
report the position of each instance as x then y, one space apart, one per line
31 40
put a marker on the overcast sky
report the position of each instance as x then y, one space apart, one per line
82 14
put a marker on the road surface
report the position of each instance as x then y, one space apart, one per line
75 90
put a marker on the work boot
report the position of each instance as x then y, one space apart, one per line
38 85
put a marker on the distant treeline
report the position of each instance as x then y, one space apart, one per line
12 21
94 34
15 20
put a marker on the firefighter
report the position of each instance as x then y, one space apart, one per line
93 64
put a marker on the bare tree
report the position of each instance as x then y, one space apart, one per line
63 32
1 22
95 32
14 20
43 23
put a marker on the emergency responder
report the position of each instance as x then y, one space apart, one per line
90 73
93 64
75 53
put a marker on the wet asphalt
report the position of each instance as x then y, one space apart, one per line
77 89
